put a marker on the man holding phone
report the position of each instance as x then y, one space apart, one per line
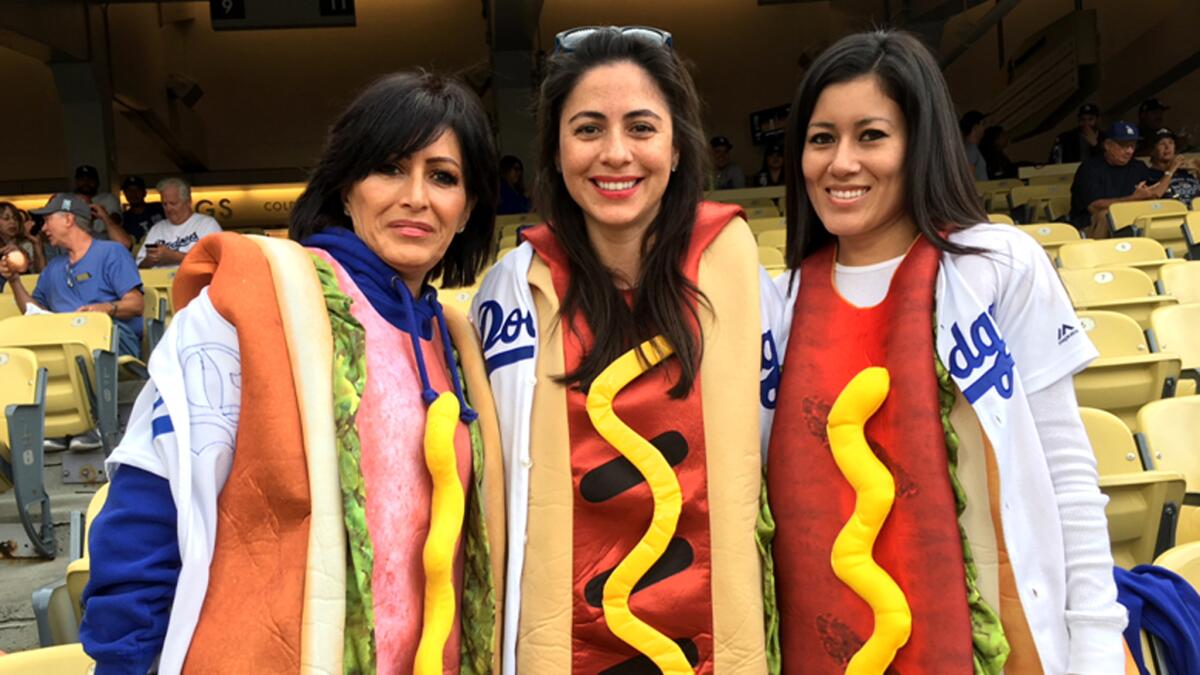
169 240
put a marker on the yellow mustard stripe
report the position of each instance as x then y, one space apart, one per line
668 502
445 526
875 493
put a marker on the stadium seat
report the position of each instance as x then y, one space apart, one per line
1031 203
761 211
22 425
1117 289
1176 329
1171 427
1127 374
1143 506
77 350
773 239
1051 236
517 219
458 298
760 225
1196 204
59 660
1191 234
1155 218
995 192
1001 218
1034 175
1183 560
508 241
156 315
1140 253
1182 281
58 606
769 256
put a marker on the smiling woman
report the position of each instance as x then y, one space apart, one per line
628 365
324 394
983 528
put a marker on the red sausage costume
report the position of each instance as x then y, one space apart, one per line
581 507
832 340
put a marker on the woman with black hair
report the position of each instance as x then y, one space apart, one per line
303 484
625 343
927 441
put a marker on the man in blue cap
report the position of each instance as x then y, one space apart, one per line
1112 177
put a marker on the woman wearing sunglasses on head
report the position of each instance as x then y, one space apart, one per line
927 441
624 342
304 486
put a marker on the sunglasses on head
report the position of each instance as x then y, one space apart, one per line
570 39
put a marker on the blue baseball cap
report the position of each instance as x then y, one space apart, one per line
1123 131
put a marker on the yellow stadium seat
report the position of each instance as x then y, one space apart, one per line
59 660
773 239
1051 236
22 424
508 241
1155 218
1175 328
518 218
1191 235
1040 202
1182 281
1171 427
1196 204
1140 253
1183 560
745 195
761 212
1127 374
770 257
1001 218
760 225
1059 179
1117 289
1143 505
458 298
1032 174
78 353
995 192
79 570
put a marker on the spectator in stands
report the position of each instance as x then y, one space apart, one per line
1082 142
168 241
992 146
971 126
512 187
404 192
1152 115
1110 178
887 235
106 208
634 253
93 276
14 231
1182 173
139 216
729 175
772 166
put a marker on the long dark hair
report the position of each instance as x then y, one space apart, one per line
394 117
940 193
665 302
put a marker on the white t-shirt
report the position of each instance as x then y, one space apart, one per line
179 237
865 285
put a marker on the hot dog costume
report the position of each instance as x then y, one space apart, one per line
919 526
588 474
326 522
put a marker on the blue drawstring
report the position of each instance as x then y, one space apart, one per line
428 393
467 414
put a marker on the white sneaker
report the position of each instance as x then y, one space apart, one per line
88 441
54 445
